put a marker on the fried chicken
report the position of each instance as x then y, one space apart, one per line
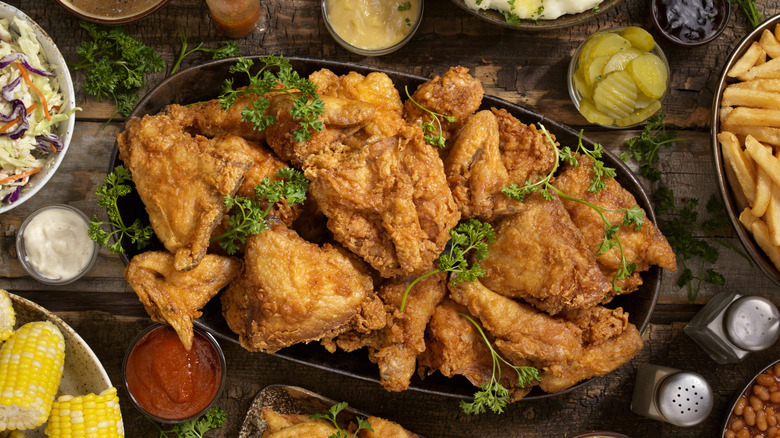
643 247
294 291
182 180
280 425
565 352
173 296
388 202
383 428
540 257
525 150
455 347
210 120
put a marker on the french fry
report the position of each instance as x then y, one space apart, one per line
747 61
761 234
769 69
739 162
772 215
769 43
758 84
763 158
777 31
763 134
743 116
753 98
746 218
763 190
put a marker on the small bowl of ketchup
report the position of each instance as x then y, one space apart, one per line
166 382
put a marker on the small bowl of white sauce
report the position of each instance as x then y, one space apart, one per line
372 27
53 244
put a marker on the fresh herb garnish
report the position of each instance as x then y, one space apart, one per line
249 215
331 415
197 428
405 6
438 139
116 66
493 394
307 105
472 235
108 194
512 19
679 234
631 216
748 7
644 148
225 51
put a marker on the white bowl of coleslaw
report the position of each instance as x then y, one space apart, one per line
37 107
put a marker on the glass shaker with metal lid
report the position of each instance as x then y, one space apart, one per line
730 326
666 394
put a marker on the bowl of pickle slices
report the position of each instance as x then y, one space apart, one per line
618 77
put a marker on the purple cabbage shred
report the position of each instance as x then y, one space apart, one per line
8 59
49 143
8 90
13 196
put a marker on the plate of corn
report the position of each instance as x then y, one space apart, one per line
51 382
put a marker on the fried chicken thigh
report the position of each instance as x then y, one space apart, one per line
182 180
539 256
388 202
644 247
294 291
565 352
173 296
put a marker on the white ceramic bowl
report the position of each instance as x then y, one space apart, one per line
63 129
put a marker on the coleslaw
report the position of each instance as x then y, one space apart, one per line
30 100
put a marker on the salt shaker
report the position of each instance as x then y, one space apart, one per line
666 394
730 326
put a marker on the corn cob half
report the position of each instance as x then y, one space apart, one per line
7 316
31 365
94 416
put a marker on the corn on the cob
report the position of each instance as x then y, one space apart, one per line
31 365
7 316
94 416
12 434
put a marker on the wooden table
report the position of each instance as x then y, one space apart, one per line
528 68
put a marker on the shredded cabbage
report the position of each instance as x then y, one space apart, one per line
22 156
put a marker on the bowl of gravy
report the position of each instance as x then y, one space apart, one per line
112 12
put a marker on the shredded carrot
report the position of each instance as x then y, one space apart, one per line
37 91
20 175
5 127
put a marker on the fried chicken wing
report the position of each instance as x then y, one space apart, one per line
525 150
210 120
388 202
294 291
540 257
173 296
182 181
565 352
643 247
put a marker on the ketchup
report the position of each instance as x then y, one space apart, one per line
170 382
235 18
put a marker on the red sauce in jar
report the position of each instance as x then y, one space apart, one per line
168 381
235 18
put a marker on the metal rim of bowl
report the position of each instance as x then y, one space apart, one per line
754 251
223 377
21 250
112 21
575 96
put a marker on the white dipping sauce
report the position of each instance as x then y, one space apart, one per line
57 244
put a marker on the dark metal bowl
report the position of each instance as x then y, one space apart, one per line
204 82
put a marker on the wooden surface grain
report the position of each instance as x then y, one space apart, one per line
527 68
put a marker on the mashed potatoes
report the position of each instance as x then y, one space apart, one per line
534 9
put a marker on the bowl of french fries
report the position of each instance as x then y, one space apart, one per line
746 143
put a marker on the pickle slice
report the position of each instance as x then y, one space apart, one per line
608 45
588 46
639 38
581 85
593 69
650 74
593 115
615 95
640 115
620 60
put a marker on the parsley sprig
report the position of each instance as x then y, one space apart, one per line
307 105
249 215
680 234
434 136
748 7
644 148
331 415
470 236
196 428
108 194
493 395
631 216
116 65
225 51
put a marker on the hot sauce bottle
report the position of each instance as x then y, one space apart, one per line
235 18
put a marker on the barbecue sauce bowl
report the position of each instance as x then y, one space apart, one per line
166 382
690 23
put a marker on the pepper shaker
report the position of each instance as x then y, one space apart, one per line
666 394
730 326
